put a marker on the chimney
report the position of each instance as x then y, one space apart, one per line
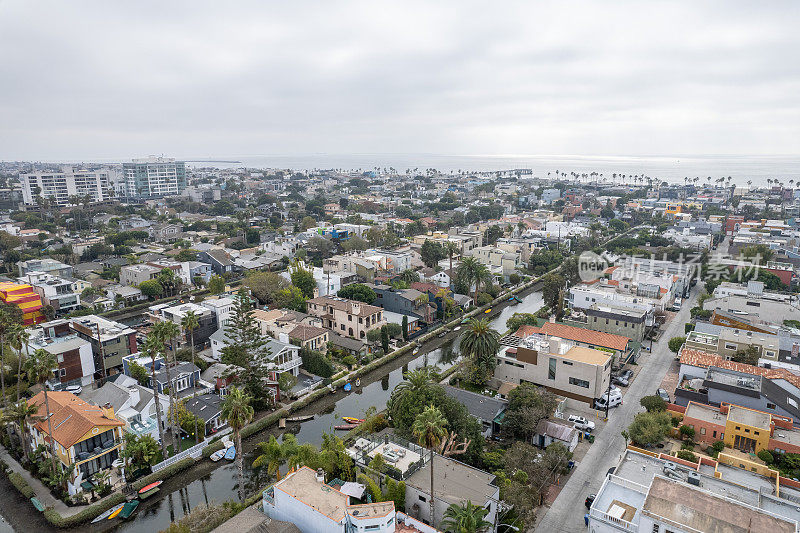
133 393
555 343
108 411
320 475
283 337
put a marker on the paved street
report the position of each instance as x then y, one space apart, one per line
566 513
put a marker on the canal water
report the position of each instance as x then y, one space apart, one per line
220 484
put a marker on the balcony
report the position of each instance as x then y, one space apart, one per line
142 427
291 364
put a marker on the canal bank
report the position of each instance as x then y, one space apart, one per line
207 482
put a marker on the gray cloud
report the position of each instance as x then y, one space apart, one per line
116 80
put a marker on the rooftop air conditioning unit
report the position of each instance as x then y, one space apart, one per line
693 479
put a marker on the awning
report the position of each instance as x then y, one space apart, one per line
356 490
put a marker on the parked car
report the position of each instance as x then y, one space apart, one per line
611 400
581 423
74 389
589 500
664 395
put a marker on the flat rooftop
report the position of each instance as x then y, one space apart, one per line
394 454
455 482
706 413
587 355
742 415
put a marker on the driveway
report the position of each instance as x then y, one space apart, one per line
566 512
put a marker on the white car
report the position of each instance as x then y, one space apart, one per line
74 389
581 423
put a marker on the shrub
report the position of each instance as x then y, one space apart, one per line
675 344
52 516
21 485
687 455
686 432
718 446
765 456
675 421
164 473
653 404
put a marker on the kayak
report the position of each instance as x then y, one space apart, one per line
36 503
358 382
115 512
488 311
347 387
352 420
128 509
230 453
150 486
104 515
345 427
217 455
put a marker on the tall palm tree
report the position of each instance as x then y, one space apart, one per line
473 271
40 367
236 409
429 429
152 347
164 332
480 344
465 518
452 248
191 322
271 456
20 337
5 325
415 381
20 413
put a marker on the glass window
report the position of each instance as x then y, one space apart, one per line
551 374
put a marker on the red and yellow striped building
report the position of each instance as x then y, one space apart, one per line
24 297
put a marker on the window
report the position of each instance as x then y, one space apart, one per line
769 353
770 405
422 498
729 346
62 372
551 373
702 431
568 363
655 528
754 304
714 434
579 382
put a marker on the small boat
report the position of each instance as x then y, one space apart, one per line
488 311
301 418
282 423
217 455
332 388
358 382
104 515
116 512
347 387
150 486
230 453
145 495
456 328
36 503
352 420
345 427
128 509
442 334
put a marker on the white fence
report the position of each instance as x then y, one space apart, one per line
195 452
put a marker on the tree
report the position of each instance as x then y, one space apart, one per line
167 333
191 322
307 223
304 280
271 455
552 285
527 405
409 276
748 356
675 344
238 412
466 517
152 347
357 291
653 404
648 429
186 255
19 413
354 243
405 327
139 373
429 430
286 381
216 285
518 320
265 285
152 288
291 298
141 451
479 346
471 271
385 340
39 367
431 252
687 433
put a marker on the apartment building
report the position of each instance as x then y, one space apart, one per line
348 318
134 275
560 366
617 345
631 322
222 308
73 354
57 292
24 297
62 186
584 296
206 318
153 177
657 493
111 341
47 265
86 436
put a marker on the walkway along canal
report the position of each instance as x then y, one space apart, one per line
209 482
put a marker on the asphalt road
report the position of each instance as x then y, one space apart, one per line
566 513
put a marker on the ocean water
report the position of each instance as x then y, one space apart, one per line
666 168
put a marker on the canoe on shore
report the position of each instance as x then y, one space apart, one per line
150 486
352 420
106 514
345 427
116 512
301 418
230 453
217 455
36 503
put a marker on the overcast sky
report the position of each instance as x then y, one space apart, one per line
83 80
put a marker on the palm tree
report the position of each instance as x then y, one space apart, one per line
21 412
429 430
168 331
40 367
153 346
480 344
473 271
271 456
452 248
191 322
5 325
236 409
20 337
415 381
465 518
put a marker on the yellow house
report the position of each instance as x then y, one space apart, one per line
85 435
747 430
672 209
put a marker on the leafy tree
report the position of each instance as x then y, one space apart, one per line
653 404
552 285
303 280
466 517
687 455
687 433
286 381
307 223
518 320
238 412
357 291
675 344
431 252
385 340
543 261
748 356
39 367
265 285
291 298
151 288
648 429
405 327
354 243
139 373
316 363
216 285
479 346
527 405
186 255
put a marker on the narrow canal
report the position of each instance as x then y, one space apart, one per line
210 482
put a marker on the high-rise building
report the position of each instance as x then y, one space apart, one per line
153 177
63 186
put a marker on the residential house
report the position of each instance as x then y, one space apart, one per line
47 265
54 291
404 302
134 275
133 403
616 345
208 408
124 294
346 317
221 263
111 341
487 410
222 308
550 431
207 320
73 354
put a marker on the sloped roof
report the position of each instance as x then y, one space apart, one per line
555 430
304 333
587 336
478 405
699 358
70 416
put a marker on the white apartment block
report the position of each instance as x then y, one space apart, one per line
154 177
61 186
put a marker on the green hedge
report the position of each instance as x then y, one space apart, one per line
22 486
91 512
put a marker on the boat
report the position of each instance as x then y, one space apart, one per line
358 382
345 427
301 418
116 512
332 388
128 509
145 495
456 328
217 455
104 515
352 420
347 387
488 311
36 503
442 334
230 453
150 486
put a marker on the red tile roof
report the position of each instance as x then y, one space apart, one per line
572 333
71 417
699 358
